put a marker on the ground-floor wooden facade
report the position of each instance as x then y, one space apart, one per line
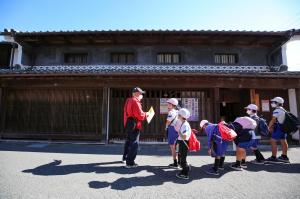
90 107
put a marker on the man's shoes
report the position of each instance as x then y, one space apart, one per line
128 166
212 171
283 159
236 167
181 176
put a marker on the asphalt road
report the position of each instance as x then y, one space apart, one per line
48 170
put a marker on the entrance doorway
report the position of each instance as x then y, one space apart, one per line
233 102
229 111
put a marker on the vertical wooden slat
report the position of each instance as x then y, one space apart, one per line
54 111
216 104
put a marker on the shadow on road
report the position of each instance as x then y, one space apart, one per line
157 175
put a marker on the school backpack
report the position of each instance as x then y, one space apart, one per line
290 124
263 128
246 122
194 144
227 134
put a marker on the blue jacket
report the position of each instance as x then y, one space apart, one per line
213 134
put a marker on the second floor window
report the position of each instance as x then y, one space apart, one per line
168 58
76 58
122 58
226 58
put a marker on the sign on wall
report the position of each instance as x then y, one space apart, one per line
163 108
265 105
192 105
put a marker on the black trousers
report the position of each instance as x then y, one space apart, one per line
131 146
183 151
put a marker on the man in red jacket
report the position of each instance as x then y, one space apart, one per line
133 117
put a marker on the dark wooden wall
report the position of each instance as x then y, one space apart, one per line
155 130
52 113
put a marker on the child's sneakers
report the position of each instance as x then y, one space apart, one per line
173 165
283 159
182 176
272 160
131 166
236 167
244 165
221 167
212 171
258 162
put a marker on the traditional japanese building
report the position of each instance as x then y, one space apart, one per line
73 84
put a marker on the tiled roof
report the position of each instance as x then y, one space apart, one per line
69 70
110 69
148 31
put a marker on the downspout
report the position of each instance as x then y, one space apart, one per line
289 34
12 57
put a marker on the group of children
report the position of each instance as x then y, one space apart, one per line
248 131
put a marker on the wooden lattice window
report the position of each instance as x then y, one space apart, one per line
226 58
168 58
122 58
76 58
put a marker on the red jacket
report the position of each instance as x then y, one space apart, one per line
133 108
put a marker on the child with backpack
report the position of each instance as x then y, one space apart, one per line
275 127
184 131
217 145
245 139
170 127
260 130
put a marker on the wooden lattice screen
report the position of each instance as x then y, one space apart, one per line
54 113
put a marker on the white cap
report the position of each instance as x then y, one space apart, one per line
252 107
203 122
279 100
173 101
183 112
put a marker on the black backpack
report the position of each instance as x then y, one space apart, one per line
290 124
262 126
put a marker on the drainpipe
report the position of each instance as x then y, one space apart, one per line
12 57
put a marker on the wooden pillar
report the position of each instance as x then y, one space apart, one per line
1 113
105 115
294 108
216 104
254 97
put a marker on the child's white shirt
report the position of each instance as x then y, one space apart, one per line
184 129
279 113
172 117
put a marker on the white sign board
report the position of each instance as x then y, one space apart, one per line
192 105
163 108
265 105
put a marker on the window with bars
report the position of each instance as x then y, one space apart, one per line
76 58
122 58
168 58
226 58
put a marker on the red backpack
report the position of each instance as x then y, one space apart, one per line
227 134
194 144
